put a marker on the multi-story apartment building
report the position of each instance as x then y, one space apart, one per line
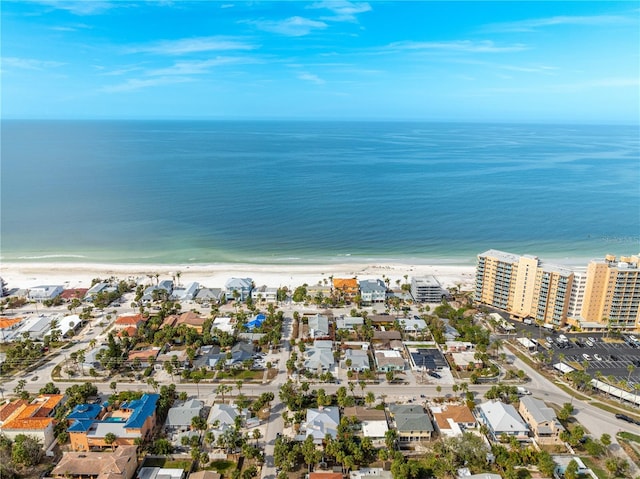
607 294
524 286
427 289
612 293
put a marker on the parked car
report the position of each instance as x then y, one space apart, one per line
589 343
626 418
592 339
597 357
434 375
587 357
613 357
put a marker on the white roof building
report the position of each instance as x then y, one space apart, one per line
502 418
321 422
223 324
42 293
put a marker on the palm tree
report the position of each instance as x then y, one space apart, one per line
630 368
110 439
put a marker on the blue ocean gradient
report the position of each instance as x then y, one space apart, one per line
179 192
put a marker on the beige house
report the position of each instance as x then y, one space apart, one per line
542 420
120 464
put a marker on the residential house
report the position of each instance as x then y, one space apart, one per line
222 324
35 418
91 358
161 473
389 360
240 287
8 327
373 291
119 464
562 462
179 417
325 475
36 327
264 293
370 473
382 320
428 359
129 321
209 357
411 422
466 360
208 295
501 418
541 419
223 417
349 323
387 340
43 293
94 290
320 422
458 346
318 326
84 412
241 352
346 288
152 293
319 358
355 360
373 422
186 293
412 325
134 419
453 419
146 357
192 320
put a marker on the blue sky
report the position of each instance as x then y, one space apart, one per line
475 61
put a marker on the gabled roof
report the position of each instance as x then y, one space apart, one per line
345 283
321 422
238 283
34 416
538 410
223 413
190 319
183 414
85 411
459 414
8 322
74 293
502 417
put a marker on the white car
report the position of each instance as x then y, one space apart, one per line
589 343
593 340
587 357
597 357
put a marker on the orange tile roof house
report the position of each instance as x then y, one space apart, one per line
453 420
120 464
347 286
69 294
33 419
134 419
192 320
132 320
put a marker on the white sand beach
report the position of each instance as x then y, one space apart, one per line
80 275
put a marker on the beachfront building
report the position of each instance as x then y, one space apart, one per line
185 293
606 295
372 291
345 288
427 289
134 419
524 286
35 418
43 293
264 293
612 294
238 287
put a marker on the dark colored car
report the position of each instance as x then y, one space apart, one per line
435 375
613 357
626 418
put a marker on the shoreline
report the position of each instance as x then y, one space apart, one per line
80 275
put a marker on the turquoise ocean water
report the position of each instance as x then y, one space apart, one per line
304 192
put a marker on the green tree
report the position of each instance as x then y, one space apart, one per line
546 463
571 472
26 450
110 439
162 446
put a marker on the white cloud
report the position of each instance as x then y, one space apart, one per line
344 11
79 7
29 63
310 77
291 27
485 46
185 46
138 84
531 25
198 67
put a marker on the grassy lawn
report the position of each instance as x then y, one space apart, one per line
178 464
595 467
616 409
222 466
241 374
629 436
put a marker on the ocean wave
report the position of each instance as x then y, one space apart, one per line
53 256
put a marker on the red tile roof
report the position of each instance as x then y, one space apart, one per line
74 293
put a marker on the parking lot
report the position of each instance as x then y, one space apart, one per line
599 354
